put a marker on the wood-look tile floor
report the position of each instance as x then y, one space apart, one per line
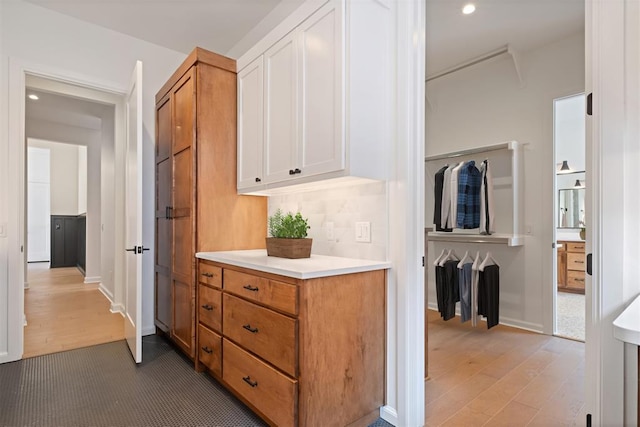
501 377
63 313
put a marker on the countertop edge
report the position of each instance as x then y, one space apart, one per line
373 266
626 327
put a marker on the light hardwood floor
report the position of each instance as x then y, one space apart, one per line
502 377
63 313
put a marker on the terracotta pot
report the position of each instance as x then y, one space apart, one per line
289 248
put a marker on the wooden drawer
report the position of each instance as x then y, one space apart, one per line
210 274
575 279
575 247
281 296
575 261
270 335
210 307
210 351
270 392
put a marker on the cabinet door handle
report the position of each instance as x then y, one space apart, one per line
251 288
250 329
258 179
207 307
296 170
292 172
247 380
207 350
209 275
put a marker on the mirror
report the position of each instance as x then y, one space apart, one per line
571 207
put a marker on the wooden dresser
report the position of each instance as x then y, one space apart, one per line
197 207
299 352
571 266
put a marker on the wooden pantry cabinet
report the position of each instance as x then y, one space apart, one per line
571 267
197 207
298 352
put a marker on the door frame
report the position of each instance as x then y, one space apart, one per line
18 70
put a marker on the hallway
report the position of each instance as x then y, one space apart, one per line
64 313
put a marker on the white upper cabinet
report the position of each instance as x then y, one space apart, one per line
250 124
280 142
326 100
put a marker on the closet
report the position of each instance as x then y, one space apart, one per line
197 207
464 247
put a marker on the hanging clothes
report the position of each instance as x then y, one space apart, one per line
438 190
487 209
489 294
453 214
446 197
440 289
468 211
465 284
474 289
452 289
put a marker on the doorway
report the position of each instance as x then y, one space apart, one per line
69 213
569 218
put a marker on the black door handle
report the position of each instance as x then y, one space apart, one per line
589 264
134 250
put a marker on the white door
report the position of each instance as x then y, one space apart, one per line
133 217
38 205
250 117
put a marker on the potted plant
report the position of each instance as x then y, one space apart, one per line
288 236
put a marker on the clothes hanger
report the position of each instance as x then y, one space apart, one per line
488 260
464 259
451 255
476 261
437 261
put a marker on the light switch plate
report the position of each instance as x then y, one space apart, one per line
363 232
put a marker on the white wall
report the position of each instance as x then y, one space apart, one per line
82 179
341 206
64 176
65 46
484 105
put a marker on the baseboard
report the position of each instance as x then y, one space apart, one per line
94 279
148 330
117 308
106 293
506 321
389 414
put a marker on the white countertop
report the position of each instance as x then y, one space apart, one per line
626 327
303 268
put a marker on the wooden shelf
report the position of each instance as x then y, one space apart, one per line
501 239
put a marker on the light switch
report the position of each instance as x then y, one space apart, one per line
363 232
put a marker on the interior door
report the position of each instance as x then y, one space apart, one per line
133 216
38 204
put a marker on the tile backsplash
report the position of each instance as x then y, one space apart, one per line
343 206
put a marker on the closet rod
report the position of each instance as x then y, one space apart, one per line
469 63
511 145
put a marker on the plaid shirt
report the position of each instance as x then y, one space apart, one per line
469 182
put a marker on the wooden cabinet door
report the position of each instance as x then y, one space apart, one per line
163 299
321 139
183 268
250 124
280 111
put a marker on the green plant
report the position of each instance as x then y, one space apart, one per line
288 226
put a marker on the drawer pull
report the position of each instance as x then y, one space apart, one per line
250 329
579 280
579 261
209 275
207 350
207 307
251 288
247 380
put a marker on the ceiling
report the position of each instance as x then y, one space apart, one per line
232 26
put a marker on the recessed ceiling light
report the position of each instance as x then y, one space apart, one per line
33 96
468 9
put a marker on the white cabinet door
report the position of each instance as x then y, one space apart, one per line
321 135
280 111
250 124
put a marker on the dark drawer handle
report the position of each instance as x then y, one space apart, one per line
579 261
251 288
207 307
208 275
579 280
207 350
247 380
258 180
250 329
